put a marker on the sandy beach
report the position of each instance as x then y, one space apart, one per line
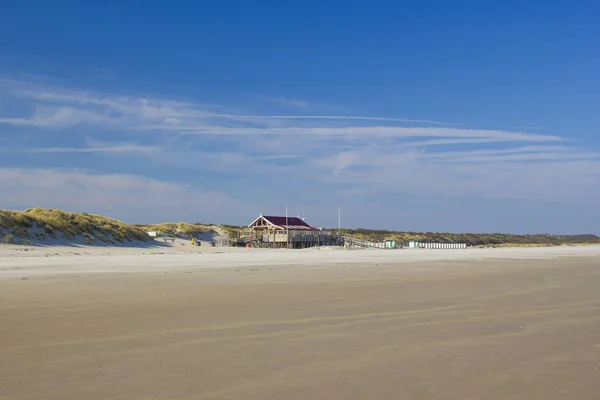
181 322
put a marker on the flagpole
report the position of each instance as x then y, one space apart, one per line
287 229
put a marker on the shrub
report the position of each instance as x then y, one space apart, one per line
8 239
20 231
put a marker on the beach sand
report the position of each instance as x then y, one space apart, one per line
311 324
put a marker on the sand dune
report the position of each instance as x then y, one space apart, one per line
475 324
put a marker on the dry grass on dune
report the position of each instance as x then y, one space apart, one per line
179 229
187 230
41 224
476 239
38 224
234 231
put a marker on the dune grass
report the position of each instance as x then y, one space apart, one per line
53 223
40 224
475 239
179 229
8 238
234 232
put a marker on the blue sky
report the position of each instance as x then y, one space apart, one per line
424 116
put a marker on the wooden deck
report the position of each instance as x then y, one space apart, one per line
293 239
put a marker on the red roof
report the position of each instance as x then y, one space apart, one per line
292 222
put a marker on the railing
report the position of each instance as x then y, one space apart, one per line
350 241
298 236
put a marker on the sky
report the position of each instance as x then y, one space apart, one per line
452 116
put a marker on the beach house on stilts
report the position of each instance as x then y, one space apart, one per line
288 232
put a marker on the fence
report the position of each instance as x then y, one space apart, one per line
382 244
438 245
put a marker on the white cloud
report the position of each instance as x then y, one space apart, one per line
329 117
549 178
493 152
368 132
52 107
319 157
94 146
125 149
128 197
446 142
57 117
55 106
526 157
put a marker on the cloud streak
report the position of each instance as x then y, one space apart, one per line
115 149
94 146
132 198
313 158
59 106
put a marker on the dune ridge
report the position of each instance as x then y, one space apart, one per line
55 226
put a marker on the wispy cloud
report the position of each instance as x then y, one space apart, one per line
358 132
132 198
48 117
494 152
329 117
128 149
54 106
94 146
541 156
311 155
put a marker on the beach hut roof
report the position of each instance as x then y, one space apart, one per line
292 223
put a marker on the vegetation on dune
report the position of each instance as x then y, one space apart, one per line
233 231
473 239
52 223
38 224
8 239
184 229
178 229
